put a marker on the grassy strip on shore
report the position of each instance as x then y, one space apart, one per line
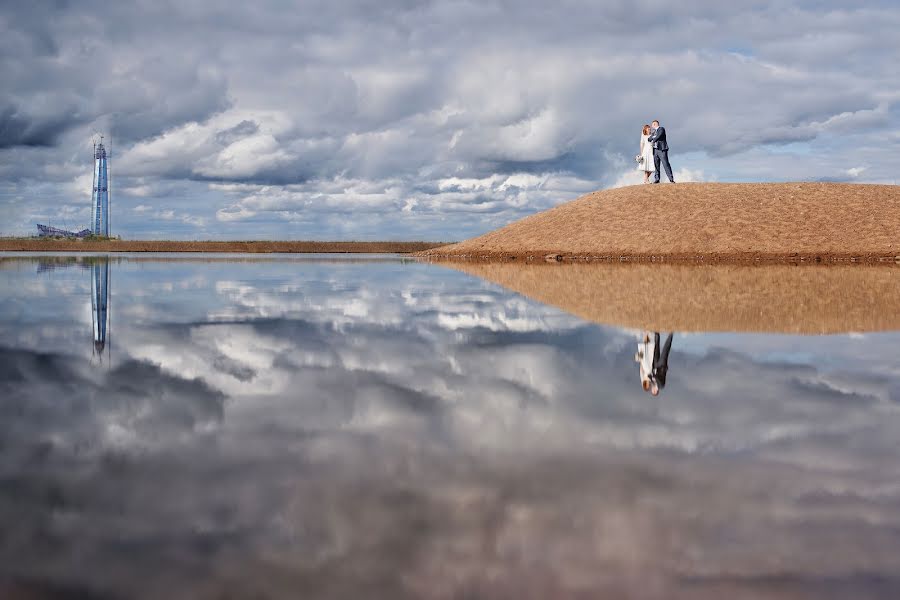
252 246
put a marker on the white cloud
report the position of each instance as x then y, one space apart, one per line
635 177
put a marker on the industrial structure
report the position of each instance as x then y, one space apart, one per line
47 231
99 201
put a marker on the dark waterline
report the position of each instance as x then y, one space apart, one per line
374 426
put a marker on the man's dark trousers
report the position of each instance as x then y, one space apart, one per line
662 156
661 359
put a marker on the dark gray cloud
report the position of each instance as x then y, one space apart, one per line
66 400
20 130
276 119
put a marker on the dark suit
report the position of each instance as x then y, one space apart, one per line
661 359
660 153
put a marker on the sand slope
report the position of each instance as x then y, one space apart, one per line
708 221
770 298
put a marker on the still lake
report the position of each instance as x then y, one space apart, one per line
329 426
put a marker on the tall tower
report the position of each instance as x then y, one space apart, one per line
100 302
100 194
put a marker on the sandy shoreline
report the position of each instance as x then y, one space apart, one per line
299 247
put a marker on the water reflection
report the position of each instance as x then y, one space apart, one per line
98 268
100 303
769 298
281 428
653 361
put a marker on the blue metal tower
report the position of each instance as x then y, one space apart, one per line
100 194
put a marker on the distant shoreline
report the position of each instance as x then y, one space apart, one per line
256 246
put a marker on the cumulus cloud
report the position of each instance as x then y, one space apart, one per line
302 107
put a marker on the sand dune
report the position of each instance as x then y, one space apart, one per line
706 222
769 298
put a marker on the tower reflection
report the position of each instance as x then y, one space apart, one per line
100 304
98 267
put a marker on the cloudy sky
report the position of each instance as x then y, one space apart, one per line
423 120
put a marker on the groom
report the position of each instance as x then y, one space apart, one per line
660 363
660 150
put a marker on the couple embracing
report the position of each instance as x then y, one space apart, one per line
653 361
654 151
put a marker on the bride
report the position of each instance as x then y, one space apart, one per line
646 165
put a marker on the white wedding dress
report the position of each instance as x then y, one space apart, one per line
647 165
644 356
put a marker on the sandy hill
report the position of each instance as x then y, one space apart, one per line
725 297
707 221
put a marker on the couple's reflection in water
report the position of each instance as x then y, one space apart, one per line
653 361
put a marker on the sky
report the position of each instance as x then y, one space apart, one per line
433 120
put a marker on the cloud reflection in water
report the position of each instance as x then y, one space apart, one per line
397 430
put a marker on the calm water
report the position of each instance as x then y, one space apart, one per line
379 428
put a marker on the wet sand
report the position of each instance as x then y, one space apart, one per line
770 298
705 222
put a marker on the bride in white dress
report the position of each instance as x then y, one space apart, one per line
647 152
644 359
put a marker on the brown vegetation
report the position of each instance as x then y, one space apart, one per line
68 245
705 222
766 298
